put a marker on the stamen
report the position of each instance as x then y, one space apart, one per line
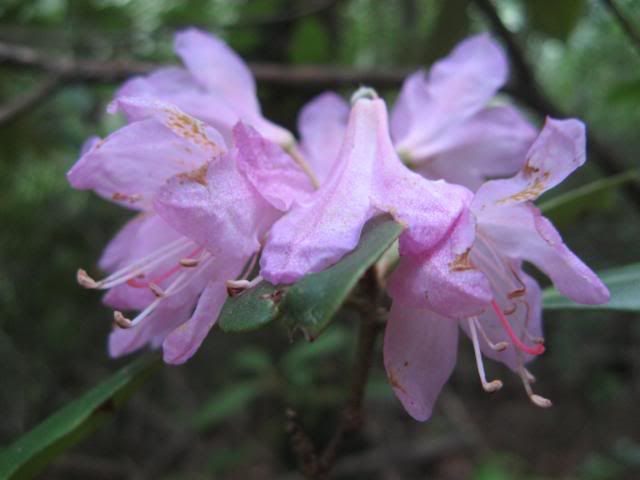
157 291
537 350
136 268
494 385
537 400
121 321
236 287
163 276
85 280
498 347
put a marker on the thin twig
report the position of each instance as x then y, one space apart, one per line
302 446
99 71
351 419
526 89
625 24
24 103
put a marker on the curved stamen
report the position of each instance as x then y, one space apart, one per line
527 378
494 385
537 350
498 347
132 282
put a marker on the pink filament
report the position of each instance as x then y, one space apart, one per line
537 350
163 276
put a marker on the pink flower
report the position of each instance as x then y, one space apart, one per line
202 218
432 297
366 179
216 87
441 123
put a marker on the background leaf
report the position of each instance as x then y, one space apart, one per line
623 283
556 19
34 450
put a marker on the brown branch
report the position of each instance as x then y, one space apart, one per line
75 70
526 89
625 24
23 103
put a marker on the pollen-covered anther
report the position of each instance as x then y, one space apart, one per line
189 262
492 386
84 280
156 290
541 402
121 321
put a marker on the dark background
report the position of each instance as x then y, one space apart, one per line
222 414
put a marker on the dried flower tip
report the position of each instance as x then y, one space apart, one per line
364 92
84 280
492 386
157 291
121 321
189 262
539 401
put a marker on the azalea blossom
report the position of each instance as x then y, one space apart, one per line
506 228
367 179
442 123
201 220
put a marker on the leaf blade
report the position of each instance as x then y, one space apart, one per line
35 449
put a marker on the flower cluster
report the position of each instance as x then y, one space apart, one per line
220 191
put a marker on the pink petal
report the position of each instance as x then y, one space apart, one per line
521 232
525 316
456 88
118 249
443 280
224 75
420 349
269 169
492 143
131 164
216 207
322 124
558 151
182 343
162 321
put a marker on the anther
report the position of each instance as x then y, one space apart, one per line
189 262
541 402
236 287
84 280
157 291
121 321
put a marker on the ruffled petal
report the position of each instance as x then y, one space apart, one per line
322 124
217 208
269 169
443 280
228 80
217 67
420 350
524 313
180 345
317 233
556 153
456 87
131 164
521 232
492 143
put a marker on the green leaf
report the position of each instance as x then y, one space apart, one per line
553 17
623 283
598 195
309 42
34 450
250 310
226 403
311 303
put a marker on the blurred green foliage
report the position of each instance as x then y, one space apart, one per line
52 334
